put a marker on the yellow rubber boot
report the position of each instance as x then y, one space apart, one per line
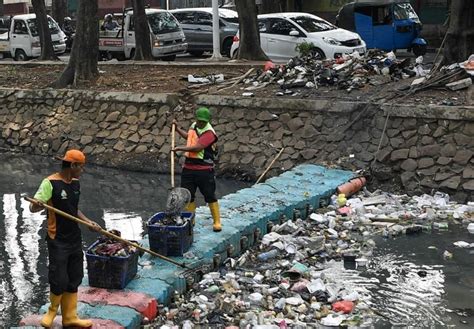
69 312
191 207
48 318
214 207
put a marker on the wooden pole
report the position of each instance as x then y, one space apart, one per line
102 231
173 128
270 165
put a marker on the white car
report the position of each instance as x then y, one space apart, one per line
280 33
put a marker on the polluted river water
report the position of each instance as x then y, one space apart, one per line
116 199
407 280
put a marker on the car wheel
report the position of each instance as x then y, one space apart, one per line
419 50
236 52
226 45
132 54
317 53
20 55
196 53
169 58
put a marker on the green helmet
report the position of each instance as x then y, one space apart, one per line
203 114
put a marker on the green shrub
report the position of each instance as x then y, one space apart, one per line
305 48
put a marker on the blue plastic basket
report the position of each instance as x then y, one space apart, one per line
170 240
110 272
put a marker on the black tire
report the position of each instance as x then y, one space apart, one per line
132 54
419 50
226 45
197 53
169 58
236 52
120 57
318 53
20 55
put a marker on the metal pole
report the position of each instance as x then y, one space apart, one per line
216 53
167 4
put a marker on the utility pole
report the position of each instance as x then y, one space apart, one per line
216 47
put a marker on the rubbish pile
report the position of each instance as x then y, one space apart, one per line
285 281
349 72
109 247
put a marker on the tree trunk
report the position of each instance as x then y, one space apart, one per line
249 35
82 64
142 32
59 11
47 50
1 8
459 43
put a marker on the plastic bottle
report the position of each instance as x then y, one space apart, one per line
268 255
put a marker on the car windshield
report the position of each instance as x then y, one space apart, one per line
404 11
53 27
162 23
312 24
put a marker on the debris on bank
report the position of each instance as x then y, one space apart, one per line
305 74
284 281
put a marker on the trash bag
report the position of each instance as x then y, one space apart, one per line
178 198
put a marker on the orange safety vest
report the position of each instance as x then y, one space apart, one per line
206 156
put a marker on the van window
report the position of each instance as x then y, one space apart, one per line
19 27
280 26
262 25
204 19
163 22
53 27
185 17
404 11
381 15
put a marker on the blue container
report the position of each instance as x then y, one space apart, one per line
110 272
170 240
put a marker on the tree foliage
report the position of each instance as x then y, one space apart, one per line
82 64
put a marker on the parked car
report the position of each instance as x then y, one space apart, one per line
197 26
280 33
166 37
22 42
384 24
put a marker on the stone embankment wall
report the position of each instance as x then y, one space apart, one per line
419 148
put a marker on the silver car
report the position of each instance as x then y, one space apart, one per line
197 27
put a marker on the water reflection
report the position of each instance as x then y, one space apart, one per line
115 199
409 284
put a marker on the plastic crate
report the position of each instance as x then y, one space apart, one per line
170 240
110 272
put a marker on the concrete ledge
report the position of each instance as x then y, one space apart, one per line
280 103
429 111
244 214
170 99
34 321
142 303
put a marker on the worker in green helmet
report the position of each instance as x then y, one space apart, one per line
198 170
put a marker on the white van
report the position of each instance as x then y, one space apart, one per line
166 37
22 42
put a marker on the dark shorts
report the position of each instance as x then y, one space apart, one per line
203 179
66 266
